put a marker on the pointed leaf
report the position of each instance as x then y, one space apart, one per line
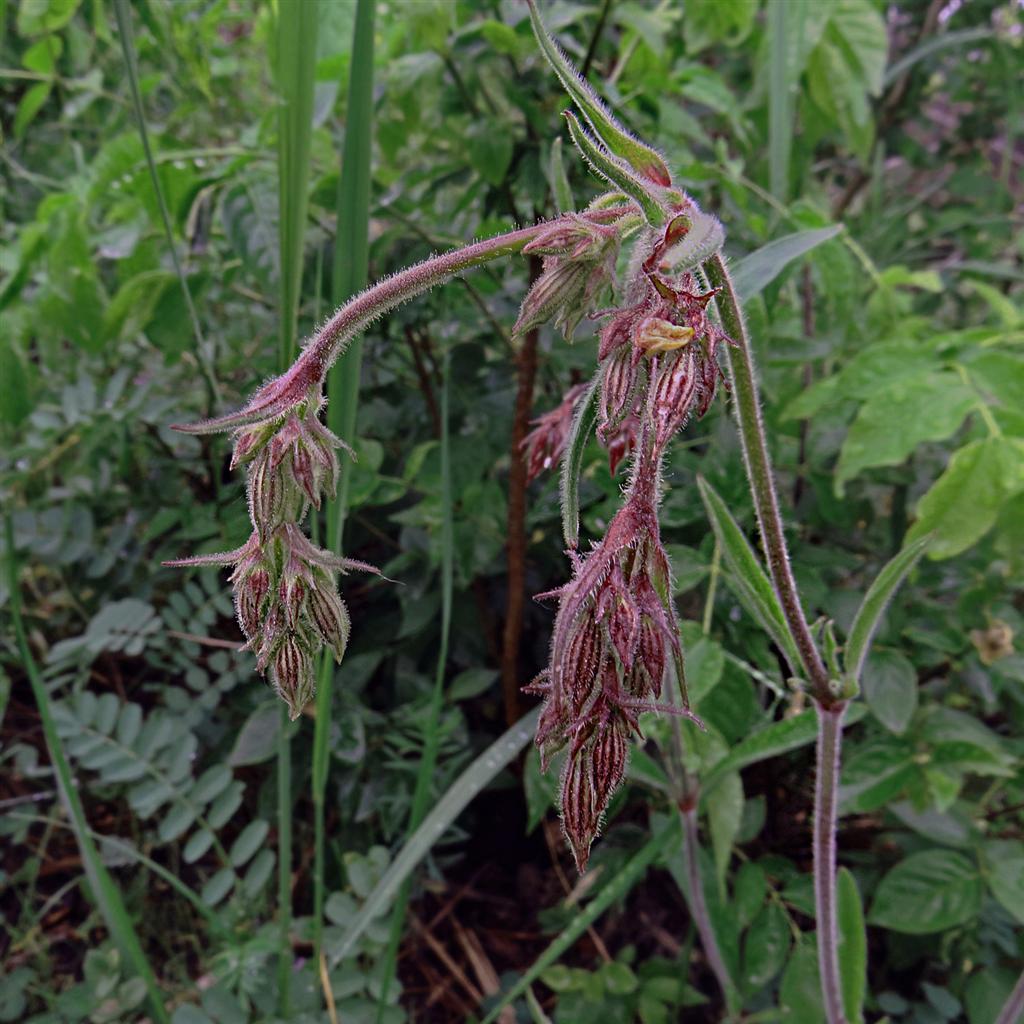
876 600
638 155
616 171
559 180
755 272
748 579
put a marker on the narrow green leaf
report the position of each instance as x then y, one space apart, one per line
777 738
608 166
746 575
927 893
963 504
572 462
876 600
615 889
963 37
638 155
559 180
780 97
752 274
476 776
725 814
104 889
853 946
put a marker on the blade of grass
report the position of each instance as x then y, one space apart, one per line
204 354
295 37
349 275
780 109
430 729
104 889
621 884
476 776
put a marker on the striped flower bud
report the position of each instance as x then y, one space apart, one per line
618 390
330 618
674 389
293 674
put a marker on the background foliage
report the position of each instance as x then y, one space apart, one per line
894 389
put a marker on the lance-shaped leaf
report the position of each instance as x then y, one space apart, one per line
874 604
755 272
747 576
618 172
853 946
646 161
582 426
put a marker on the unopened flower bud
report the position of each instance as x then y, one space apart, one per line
580 815
293 674
330 617
674 390
618 390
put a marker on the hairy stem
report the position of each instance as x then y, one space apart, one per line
826 799
1013 1010
329 342
698 905
762 482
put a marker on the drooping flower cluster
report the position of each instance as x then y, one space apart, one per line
286 597
615 631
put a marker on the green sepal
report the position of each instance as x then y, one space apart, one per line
644 160
559 180
616 171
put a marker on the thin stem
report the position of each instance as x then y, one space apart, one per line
361 311
826 800
698 904
1013 1010
284 867
762 482
709 603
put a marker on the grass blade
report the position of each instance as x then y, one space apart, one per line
477 775
615 889
876 600
295 36
351 251
572 462
204 354
348 276
780 101
104 889
853 946
746 574
430 729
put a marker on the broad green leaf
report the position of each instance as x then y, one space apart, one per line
889 682
746 576
853 946
752 274
717 21
987 992
928 892
861 30
38 16
1005 875
766 947
257 738
800 991
872 608
899 417
963 503
572 462
870 370
490 153
877 772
